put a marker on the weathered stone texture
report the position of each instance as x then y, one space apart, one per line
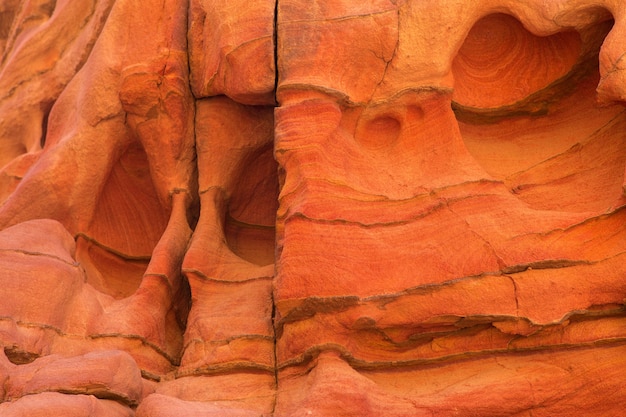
330 208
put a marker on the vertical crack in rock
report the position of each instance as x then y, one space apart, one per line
387 61
438 334
273 318
193 212
275 39
275 340
514 293
499 260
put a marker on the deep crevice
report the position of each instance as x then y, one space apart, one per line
272 293
46 108
275 39
17 356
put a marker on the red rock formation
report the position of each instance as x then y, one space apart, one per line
329 208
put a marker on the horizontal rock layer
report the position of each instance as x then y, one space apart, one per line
324 208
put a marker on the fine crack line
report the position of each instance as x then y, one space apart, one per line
124 256
138 338
614 67
272 293
276 74
499 260
341 18
387 62
572 149
47 255
205 277
376 198
574 226
274 350
226 368
514 293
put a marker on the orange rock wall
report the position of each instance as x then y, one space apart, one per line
328 208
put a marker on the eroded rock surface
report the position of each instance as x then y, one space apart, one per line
329 208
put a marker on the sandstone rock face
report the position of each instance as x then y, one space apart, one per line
330 208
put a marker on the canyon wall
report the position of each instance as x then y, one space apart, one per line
326 208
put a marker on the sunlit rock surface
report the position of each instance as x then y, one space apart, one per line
330 208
